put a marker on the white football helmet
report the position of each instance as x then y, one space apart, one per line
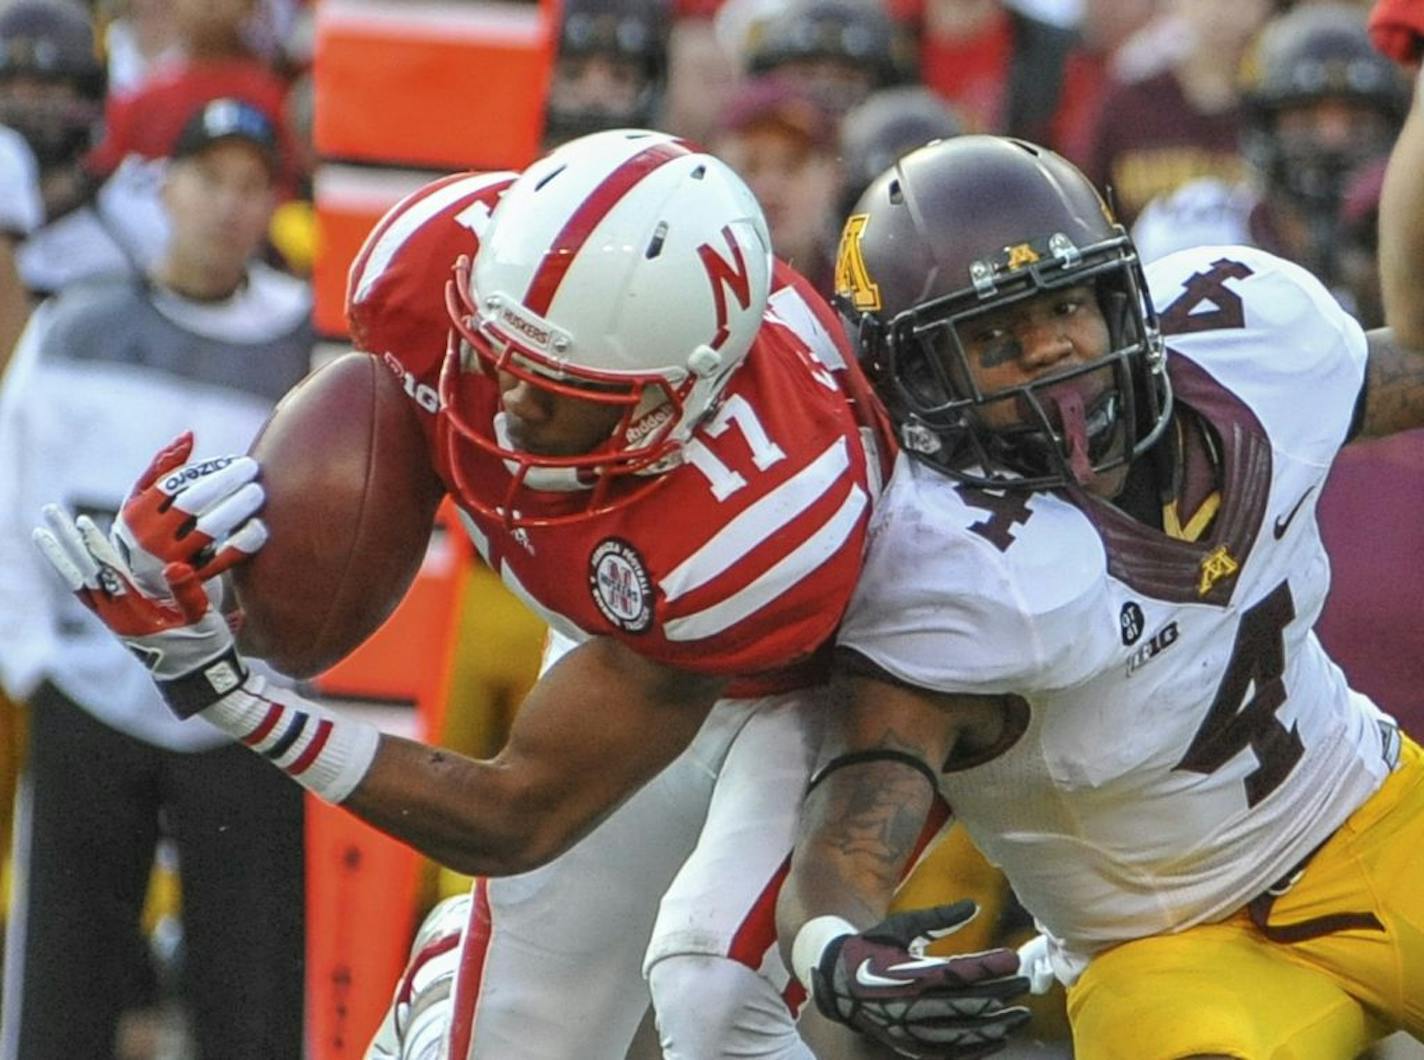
626 268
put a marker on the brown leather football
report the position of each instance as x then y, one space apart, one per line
351 499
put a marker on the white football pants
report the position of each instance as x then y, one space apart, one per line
678 885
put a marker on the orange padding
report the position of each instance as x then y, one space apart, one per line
361 883
349 202
450 84
361 894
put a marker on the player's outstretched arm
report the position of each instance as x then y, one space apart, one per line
601 723
861 821
594 729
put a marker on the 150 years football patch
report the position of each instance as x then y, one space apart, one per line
620 585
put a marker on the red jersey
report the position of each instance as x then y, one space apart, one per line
742 561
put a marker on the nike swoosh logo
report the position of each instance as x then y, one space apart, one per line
865 977
1283 523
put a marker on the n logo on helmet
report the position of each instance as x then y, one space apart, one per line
852 278
724 274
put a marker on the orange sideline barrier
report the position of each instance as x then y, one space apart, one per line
434 85
458 84
361 883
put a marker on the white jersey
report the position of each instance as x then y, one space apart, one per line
1182 741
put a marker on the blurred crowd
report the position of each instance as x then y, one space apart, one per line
1208 121
1198 115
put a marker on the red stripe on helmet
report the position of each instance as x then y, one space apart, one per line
559 258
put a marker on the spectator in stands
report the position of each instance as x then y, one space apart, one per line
841 50
1320 104
1358 249
109 768
610 70
21 212
1001 69
1105 30
140 36
882 128
782 140
217 62
51 93
702 70
1183 122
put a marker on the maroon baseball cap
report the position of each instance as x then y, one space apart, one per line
775 100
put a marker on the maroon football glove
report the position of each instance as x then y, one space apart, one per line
1397 29
881 983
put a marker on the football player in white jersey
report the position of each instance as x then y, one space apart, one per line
1085 622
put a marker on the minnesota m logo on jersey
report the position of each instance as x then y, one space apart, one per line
853 280
1216 565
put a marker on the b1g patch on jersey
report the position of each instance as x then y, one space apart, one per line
620 585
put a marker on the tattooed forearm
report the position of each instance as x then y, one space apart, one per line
862 823
880 814
1395 397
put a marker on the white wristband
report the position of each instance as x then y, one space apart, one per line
326 754
811 942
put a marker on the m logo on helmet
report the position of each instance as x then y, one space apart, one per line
724 274
852 278
1021 255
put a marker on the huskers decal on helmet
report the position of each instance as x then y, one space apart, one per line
619 581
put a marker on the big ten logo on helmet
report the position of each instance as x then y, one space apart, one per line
422 394
723 274
620 585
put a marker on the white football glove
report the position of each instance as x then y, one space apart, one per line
201 514
183 641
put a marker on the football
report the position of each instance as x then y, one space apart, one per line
351 500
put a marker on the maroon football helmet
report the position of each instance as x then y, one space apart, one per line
967 226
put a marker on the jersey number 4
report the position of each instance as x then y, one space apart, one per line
1257 665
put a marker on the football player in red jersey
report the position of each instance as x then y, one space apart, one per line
655 438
